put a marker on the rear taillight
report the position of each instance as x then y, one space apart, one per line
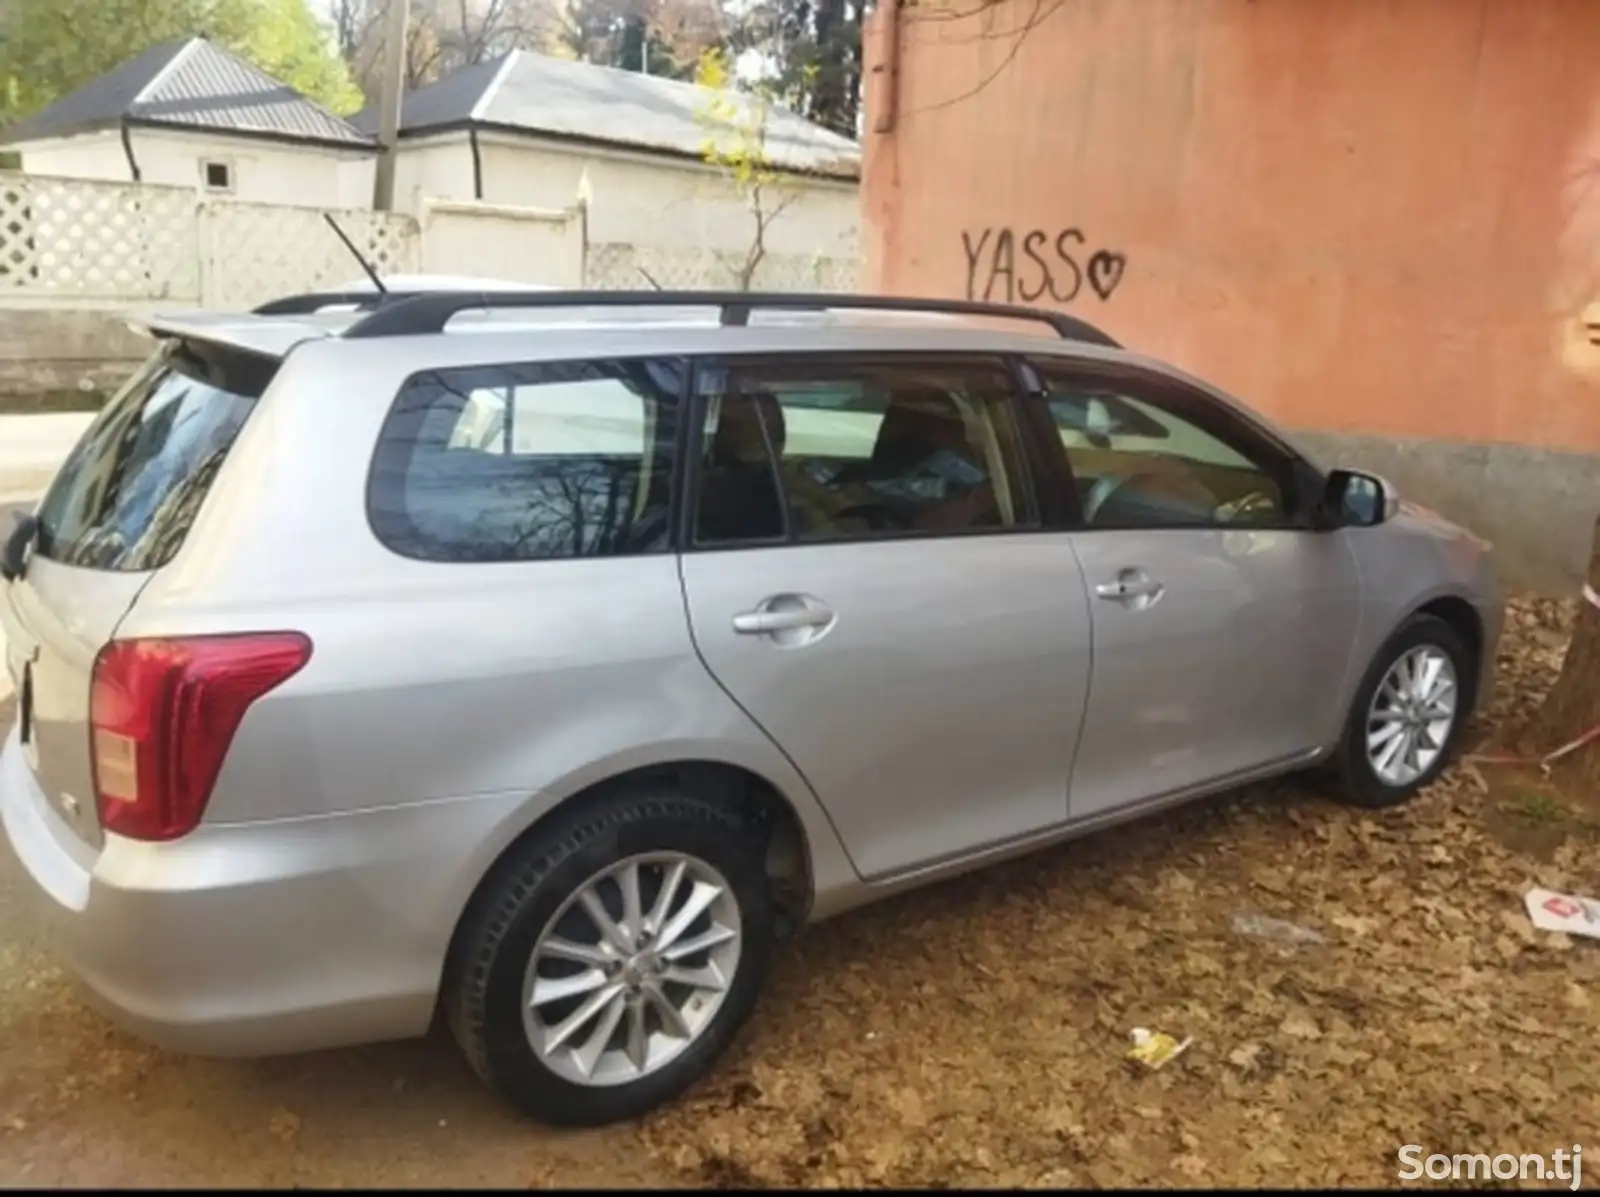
161 716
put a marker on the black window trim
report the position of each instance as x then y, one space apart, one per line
1297 477
1057 496
692 432
678 406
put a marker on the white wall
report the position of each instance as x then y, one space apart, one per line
633 198
435 168
474 240
263 171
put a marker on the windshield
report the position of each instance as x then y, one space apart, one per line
128 492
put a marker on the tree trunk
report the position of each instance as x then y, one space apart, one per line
1572 708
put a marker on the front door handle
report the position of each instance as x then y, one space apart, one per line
790 619
1131 586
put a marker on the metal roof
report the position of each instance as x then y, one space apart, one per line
190 84
556 97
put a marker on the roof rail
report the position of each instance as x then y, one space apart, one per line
429 312
315 301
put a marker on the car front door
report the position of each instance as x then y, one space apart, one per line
867 576
1223 625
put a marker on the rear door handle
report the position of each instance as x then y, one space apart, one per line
1127 590
787 613
761 623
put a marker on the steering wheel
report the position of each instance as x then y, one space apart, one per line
1256 503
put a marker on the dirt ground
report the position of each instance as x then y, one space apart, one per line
974 1033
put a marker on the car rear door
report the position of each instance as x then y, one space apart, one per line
867 575
1223 626
116 511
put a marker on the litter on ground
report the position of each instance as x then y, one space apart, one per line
1551 911
1155 1048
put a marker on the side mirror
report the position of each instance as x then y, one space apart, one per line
1352 499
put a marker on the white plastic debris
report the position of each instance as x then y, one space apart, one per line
1550 911
1259 926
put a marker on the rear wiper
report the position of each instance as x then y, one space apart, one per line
14 555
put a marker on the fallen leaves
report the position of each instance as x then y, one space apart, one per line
973 1033
285 1126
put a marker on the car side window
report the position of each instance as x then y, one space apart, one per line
546 461
830 450
1139 464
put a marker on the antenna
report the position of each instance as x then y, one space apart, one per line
648 278
356 254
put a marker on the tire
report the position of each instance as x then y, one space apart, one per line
485 992
1356 776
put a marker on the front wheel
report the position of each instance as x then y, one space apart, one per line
1407 716
607 964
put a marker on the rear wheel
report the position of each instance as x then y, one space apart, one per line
1408 714
607 964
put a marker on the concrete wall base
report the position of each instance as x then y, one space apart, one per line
65 349
1537 506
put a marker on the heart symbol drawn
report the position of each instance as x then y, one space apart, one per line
1105 272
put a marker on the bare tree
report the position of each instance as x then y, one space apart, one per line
1568 724
661 36
443 35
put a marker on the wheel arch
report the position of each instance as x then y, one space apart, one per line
1463 618
793 856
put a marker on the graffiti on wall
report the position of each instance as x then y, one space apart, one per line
1005 265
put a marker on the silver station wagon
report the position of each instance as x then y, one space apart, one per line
541 659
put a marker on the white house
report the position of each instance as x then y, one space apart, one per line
534 131
191 114
492 159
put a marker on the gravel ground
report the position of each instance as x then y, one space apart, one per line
974 1033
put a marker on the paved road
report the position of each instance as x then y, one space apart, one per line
33 447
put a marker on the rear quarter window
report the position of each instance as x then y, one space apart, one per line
127 494
549 461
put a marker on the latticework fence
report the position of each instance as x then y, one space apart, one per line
66 240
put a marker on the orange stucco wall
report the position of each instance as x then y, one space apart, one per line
1376 216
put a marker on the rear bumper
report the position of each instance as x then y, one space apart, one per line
257 939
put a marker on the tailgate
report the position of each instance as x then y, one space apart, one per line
117 511
56 619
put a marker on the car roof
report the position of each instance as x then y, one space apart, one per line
278 327
478 334
589 324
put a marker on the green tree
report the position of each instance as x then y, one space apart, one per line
49 48
289 43
736 123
